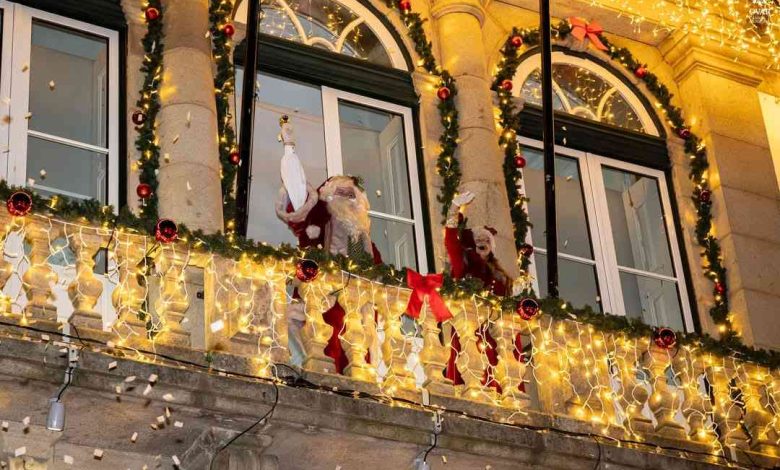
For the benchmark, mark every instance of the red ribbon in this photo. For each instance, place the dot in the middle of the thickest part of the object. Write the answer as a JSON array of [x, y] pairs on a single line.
[[425, 287], [581, 29]]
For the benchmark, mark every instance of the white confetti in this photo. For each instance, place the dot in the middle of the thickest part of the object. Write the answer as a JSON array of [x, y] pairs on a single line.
[[52, 85], [118, 389], [176, 139], [67, 459], [20, 451], [4, 425], [168, 397], [189, 186], [444, 459], [167, 412], [217, 326], [147, 390], [25, 67], [30, 182], [153, 378], [45, 337], [26, 421], [176, 460], [98, 454], [178, 424], [134, 437], [161, 419], [112, 365], [28, 116], [110, 344], [130, 378], [189, 119]]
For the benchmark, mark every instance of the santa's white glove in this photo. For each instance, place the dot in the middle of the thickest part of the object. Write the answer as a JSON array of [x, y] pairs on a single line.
[[458, 201]]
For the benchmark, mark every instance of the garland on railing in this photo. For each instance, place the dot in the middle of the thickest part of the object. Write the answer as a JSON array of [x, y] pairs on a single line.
[[221, 32], [145, 116], [694, 147], [91, 211], [447, 166]]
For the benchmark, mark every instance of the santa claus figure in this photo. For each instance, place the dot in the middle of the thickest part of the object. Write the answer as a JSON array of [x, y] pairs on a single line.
[[471, 251]]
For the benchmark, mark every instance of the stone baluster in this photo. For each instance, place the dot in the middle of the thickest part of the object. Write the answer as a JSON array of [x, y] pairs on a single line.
[[396, 347], [761, 410], [130, 294], [729, 398], [636, 386], [86, 288], [511, 366], [358, 335], [40, 277], [471, 361], [668, 394], [434, 356], [277, 320], [13, 264], [316, 332], [697, 407], [548, 359], [172, 301]]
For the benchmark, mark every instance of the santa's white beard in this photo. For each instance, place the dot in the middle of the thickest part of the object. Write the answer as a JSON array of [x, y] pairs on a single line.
[[352, 214]]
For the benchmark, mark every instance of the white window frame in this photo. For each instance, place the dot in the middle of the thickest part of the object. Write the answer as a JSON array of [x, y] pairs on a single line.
[[335, 163], [602, 242], [15, 84]]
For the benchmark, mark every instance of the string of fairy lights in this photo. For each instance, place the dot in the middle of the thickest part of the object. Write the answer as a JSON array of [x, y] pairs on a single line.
[[629, 389], [744, 27]]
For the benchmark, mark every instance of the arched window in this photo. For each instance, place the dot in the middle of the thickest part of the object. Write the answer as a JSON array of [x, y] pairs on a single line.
[[340, 75], [617, 230], [586, 89]]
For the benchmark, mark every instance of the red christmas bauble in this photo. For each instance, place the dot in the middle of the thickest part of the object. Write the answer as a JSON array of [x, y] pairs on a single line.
[[664, 338], [138, 117], [527, 308], [144, 190], [684, 132], [19, 204], [306, 270], [520, 161], [234, 157], [516, 41], [526, 250], [229, 30], [166, 231], [152, 14], [720, 289], [640, 71], [507, 85], [444, 93], [705, 195], [405, 5]]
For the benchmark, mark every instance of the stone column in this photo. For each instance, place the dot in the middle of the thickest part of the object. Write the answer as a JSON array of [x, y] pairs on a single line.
[[463, 54], [720, 99], [190, 185]]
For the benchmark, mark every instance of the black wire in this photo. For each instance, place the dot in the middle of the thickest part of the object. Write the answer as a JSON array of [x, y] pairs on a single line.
[[262, 418], [302, 383], [598, 461], [67, 383], [432, 446]]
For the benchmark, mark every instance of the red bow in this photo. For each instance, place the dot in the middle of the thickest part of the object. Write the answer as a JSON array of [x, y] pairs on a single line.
[[425, 287], [581, 29]]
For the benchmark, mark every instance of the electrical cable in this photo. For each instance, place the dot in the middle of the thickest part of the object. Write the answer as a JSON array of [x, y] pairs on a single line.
[[302, 383]]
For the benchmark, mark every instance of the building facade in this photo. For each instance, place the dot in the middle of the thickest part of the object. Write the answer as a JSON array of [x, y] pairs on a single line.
[[211, 351]]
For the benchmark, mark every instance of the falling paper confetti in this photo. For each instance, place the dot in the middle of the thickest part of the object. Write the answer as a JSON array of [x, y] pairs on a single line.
[[43, 174], [147, 390], [4, 425], [217, 326], [67, 459], [178, 424], [20, 451], [152, 378], [98, 454], [134, 437], [176, 460], [168, 397], [52, 86], [25, 67], [112, 365], [130, 378]]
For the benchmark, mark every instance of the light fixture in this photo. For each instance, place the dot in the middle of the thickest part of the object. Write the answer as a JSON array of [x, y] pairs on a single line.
[[55, 421], [421, 464]]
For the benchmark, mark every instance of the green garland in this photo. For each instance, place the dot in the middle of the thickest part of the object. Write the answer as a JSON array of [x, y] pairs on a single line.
[[220, 12], [713, 265], [149, 105], [447, 166]]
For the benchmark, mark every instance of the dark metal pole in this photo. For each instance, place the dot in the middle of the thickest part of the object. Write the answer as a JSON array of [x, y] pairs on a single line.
[[247, 119], [548, 138]]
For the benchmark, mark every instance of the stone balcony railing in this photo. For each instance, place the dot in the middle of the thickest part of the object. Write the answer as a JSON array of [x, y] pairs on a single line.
[[561, 373]]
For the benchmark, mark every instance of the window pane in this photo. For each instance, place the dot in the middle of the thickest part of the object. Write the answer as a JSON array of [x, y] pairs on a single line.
[[576, 281], [654, 301], [68, 170], [323, 23], [303, 103], [373, 147], [637, 219], [395, 241], [68, 84], [573, 233]]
